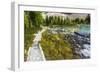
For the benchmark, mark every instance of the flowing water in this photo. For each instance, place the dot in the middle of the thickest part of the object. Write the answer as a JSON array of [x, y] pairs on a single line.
[[85, 29]]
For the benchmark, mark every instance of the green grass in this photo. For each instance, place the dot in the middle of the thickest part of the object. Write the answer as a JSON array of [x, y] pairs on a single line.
[[55, 47], [28, 40]]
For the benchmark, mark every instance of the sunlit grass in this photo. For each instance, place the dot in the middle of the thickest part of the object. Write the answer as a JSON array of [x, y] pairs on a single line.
[[55, 48]]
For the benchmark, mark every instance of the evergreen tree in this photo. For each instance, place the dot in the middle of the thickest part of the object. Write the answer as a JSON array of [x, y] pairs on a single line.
[[36, 18], [87, 20]]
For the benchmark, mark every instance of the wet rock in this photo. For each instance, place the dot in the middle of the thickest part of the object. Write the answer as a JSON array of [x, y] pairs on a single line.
[[80, 44]]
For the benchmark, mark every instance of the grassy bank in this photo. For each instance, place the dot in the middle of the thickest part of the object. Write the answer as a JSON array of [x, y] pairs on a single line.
[[55, 47], [28, 40]]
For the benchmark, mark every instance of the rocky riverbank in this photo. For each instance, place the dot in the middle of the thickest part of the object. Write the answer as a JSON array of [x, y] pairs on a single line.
[[80, 44]]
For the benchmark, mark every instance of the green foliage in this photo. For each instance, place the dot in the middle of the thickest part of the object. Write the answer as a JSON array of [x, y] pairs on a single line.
[[36, 18], [87, 20], [61, 21], [26, 20], [54, 47], [32, 23], [28, 40]]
